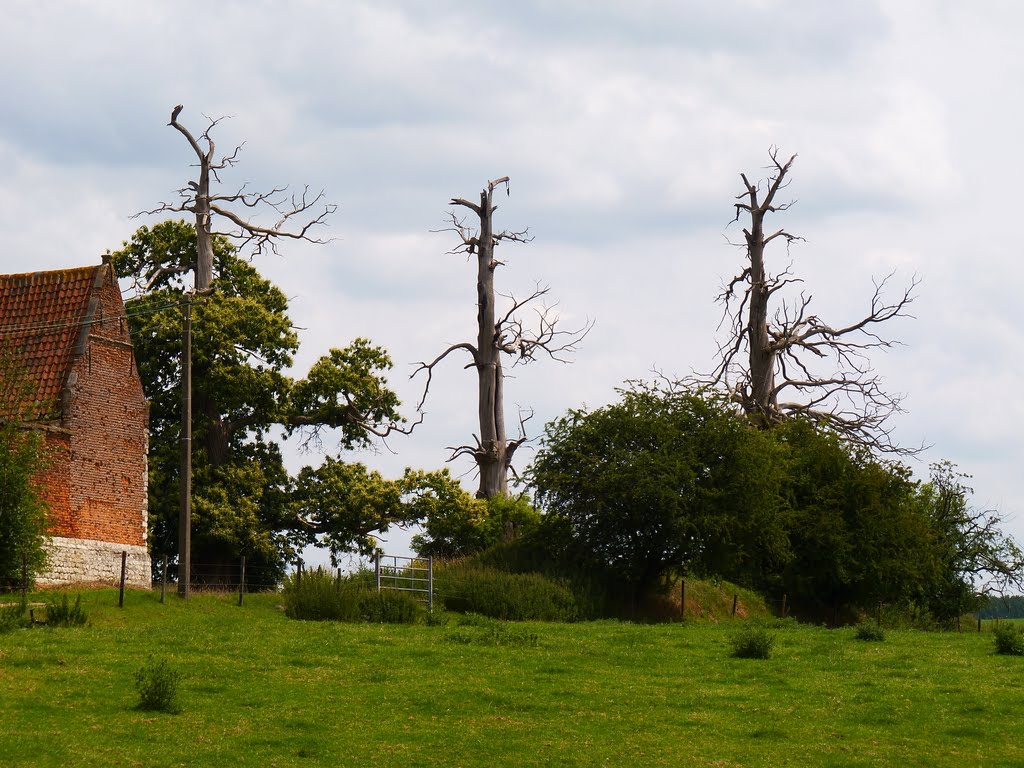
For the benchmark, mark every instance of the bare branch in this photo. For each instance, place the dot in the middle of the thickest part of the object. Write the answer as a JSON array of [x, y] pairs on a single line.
[[766, 352]]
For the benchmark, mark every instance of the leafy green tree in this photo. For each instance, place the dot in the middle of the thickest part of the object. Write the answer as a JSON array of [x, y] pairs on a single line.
[[856, 531], [345, 506], [243, 342], [458, 530], [22, 458], [975, 558], [665, 479]]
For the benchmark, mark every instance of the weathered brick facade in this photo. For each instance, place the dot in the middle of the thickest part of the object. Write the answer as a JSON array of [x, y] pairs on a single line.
[[79, 356]]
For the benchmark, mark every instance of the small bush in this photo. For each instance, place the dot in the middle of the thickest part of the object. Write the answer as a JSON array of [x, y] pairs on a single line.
[[12, 617], [869, 631], [508, 596], [319, 596], [157, 685], [752, 642], [61, 613], [389, 607], [1009, 640]]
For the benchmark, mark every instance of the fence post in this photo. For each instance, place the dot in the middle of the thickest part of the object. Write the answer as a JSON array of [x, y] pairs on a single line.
[[783, 605], [734, 599], [163, 579], [298, 575], [337, 581], [241, 583], [124, 569], [24, 577], [682, 598], [376, 569], [878, 618], [430, 585]]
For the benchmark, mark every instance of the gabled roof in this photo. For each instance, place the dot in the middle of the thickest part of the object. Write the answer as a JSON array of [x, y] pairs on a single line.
[[42, 319]]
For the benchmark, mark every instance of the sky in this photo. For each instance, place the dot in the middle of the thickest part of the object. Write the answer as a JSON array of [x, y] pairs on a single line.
[[623, 126]]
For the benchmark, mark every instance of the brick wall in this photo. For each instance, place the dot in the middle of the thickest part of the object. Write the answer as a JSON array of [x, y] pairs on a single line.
[[107, 416], [53, 482]]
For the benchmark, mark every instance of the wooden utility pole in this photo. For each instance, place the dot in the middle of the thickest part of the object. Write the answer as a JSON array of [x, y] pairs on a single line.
[[185, 513]]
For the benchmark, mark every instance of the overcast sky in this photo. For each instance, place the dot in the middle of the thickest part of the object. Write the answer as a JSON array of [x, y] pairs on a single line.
[[624, 127]]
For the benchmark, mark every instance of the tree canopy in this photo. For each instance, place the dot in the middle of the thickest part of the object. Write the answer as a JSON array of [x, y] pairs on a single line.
[[669, 481], [244, 402]]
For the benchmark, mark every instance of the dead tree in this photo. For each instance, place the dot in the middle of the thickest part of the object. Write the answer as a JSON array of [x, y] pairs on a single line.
[[497, 335], [209, 207], [780, 360]]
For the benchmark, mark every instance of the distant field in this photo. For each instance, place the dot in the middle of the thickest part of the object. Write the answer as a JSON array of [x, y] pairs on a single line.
[[262, 690]]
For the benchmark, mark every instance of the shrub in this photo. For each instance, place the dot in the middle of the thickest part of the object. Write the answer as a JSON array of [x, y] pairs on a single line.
[[1009, 640], [752, 642], [389, 607], [510, 596], [319, 596], [12, 617], [869, 631], [61, 613], [157, 685]]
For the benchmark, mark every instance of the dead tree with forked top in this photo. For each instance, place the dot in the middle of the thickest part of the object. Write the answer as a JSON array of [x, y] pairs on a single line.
[[498, 334], [234, 209], [781, 360]]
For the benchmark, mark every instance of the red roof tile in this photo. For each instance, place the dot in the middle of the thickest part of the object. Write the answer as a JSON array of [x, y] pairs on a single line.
[[41, 316]]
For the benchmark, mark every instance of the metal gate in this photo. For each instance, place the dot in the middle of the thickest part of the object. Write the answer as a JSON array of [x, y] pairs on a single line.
[[406, 574]]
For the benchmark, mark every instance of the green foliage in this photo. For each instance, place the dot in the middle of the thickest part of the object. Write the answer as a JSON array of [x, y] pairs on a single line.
[[464, 587], [869, 631], [318, 595], [751, 641], [22, 457], [474, 629], [13, 617], [972, 552], [664, 479], [857, 532], [343, 503], [468, 526], [390, 607], [62, 613], [1009, 639], [243, 343], [156, 682]]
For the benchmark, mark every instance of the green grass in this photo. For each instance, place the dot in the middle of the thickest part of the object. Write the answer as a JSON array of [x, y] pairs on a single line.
[[259, 689]]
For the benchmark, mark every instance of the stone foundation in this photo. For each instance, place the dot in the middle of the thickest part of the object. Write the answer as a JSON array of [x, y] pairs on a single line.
[[77, 561]]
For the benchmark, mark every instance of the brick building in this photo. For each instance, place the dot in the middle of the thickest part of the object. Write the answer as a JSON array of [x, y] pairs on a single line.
[[68, 329]]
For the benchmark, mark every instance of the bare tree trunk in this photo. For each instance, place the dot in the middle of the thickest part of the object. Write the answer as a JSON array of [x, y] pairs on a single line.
[[761, 353], [491, 455], [497, 335], [787, 345]]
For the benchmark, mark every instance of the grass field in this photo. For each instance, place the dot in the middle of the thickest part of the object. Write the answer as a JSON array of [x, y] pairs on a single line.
[[259, 689]]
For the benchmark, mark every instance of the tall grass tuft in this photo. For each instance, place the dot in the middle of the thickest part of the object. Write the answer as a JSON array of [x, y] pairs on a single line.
[[752, 642], [13, 617], [390, 607], [319, 596], [869, 631], [157, 685], [61, 613]]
